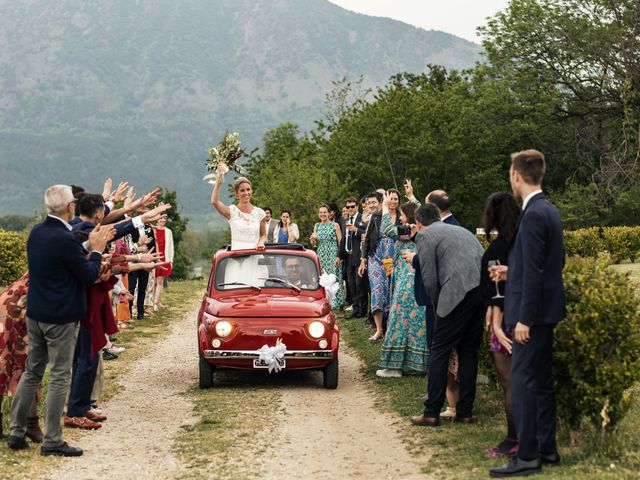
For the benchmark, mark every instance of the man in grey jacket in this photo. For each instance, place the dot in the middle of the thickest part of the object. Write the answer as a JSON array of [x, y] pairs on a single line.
[[450, 262]]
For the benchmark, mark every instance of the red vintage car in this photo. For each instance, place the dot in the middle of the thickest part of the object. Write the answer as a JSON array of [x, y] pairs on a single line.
[[263, 307]]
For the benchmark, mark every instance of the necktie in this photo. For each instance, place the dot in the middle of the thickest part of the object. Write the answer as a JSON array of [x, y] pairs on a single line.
[[348, 241]]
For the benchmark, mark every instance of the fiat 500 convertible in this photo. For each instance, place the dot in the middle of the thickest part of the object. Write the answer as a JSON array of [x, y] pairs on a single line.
[[267, 310]]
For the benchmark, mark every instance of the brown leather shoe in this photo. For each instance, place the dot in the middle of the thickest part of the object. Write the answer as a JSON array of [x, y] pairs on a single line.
[[465, 420], [81, 422], [423, 421], [95, 416]]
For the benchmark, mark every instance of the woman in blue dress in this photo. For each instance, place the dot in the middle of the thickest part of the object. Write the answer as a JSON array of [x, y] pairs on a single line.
[[405, 344]]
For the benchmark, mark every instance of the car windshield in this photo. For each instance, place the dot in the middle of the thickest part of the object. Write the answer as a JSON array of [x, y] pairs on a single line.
[[267, 270]]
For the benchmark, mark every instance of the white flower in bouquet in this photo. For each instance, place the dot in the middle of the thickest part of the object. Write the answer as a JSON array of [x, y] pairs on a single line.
[[225, 154]]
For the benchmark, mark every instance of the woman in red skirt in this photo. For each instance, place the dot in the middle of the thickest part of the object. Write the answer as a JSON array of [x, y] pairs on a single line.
[[164, 246]]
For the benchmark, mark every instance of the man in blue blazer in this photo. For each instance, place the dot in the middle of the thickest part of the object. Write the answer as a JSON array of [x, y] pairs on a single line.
[[534, 303], [59, 272]]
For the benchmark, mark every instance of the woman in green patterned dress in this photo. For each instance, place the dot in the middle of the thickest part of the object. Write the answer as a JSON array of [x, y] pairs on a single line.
[[327, 237], [405, 344]]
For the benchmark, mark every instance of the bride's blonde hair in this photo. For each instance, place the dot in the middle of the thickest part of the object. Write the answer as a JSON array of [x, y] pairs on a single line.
[[239, 181]]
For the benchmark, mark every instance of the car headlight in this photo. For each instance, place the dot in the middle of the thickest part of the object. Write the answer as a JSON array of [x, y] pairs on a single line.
[[223, 328], [316, 329]]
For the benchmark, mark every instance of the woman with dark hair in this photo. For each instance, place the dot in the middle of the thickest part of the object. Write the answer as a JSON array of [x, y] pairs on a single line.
[[500, 218], [285, 231], [405, 344]]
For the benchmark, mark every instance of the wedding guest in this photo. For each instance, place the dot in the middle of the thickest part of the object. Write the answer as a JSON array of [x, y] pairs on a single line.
[[351, 259], [327, 237], [439, 198], [450, 260], [164, 245], [286, 232], [500, 217], [377, 258], [59, 272], [13, 349], [405, 344], [143, 241], [272, 223], [534, 303]]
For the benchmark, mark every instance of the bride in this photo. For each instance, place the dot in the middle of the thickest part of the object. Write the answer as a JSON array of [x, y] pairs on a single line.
[[247, 223]]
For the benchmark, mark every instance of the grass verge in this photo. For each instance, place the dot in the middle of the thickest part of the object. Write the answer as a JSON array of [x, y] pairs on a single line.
[[180, 298], [457, 451]]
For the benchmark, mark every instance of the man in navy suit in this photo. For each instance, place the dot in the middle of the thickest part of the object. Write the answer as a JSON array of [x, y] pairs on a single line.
[[350, 253], [441, 200], [59, 272], [534, 304]]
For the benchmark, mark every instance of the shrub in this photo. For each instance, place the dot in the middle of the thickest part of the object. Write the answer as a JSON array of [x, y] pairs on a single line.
[[597, 347], [623, 243], [181, 264], [13, 256]]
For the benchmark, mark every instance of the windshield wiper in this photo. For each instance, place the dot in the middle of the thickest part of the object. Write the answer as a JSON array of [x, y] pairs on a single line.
[[283, 282], [238, 283]]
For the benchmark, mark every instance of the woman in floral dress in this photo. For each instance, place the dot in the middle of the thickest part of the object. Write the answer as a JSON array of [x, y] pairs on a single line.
[[405, 344], [327, 237]]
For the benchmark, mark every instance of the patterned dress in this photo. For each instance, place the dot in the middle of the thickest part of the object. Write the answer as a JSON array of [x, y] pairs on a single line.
[[13, 334], [405, 344], [380, 283], [327, 252]]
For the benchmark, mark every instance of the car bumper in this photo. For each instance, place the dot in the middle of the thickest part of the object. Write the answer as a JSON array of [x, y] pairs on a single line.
[[254, 354]]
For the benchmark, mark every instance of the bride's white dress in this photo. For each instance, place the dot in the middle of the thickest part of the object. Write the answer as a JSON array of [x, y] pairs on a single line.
[[245, 234]]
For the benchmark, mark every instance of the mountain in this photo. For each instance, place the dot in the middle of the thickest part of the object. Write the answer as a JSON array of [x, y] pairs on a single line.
[[140, 89]]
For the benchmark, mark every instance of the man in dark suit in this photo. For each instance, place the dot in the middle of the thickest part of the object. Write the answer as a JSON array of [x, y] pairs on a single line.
[[534, 303], [59, 272], [450, 261], [350, 253], [441, 200]]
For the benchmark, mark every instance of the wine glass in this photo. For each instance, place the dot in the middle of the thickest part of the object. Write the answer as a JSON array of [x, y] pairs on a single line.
[[495, 263]]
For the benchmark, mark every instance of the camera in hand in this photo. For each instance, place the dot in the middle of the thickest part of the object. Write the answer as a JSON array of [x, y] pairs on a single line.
[[404, 230]]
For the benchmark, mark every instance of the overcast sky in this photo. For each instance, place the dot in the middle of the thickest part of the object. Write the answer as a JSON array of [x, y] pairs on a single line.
[[460, 17]]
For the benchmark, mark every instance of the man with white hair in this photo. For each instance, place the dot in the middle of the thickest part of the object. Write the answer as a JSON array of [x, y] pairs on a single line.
[[59, 272]]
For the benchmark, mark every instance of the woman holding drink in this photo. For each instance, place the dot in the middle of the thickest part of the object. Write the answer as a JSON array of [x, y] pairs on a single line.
[[405, 344]]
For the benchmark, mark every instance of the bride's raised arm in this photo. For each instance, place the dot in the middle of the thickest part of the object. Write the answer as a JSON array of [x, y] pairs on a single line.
[[215, 196]]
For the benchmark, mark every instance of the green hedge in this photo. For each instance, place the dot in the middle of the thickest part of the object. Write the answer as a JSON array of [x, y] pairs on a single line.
[[13, 256], [597, 346]]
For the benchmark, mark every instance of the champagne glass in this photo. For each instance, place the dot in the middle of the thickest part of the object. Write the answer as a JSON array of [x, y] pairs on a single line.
[[495, 263]]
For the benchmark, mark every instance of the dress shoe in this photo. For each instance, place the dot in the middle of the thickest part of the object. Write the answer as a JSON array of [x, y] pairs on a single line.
[[95, 416], [81, 422], [63, 450], [16, 443], [517, 468], [550, 458], [34, 433], [465, 420], [422, 421]]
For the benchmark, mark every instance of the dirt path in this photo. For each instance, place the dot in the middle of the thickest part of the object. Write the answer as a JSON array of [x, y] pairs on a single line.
[[331, 434], [135, 443]]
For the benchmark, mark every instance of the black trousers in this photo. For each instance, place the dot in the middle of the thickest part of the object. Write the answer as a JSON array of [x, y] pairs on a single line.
[[461, 329], [359, 291], [141, 279], [534, 403]]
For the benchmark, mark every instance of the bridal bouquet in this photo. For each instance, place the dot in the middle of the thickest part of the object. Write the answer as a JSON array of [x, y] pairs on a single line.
[[226, 153]]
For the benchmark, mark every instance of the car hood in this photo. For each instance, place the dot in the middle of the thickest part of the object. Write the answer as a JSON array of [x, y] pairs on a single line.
[[267, 305]]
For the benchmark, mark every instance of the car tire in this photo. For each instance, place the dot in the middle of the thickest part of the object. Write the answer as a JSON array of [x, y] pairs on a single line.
[[206, 373], [330, 375]]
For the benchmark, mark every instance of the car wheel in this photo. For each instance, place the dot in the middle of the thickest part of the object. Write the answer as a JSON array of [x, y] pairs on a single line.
[[206, 373], [330, 375]]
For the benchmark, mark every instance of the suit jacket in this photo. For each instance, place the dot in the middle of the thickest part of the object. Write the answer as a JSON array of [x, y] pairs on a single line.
[[451, 220], [422, 298], [59, 274], [450, 262], [352, 258], [534, 294], [271, 226]]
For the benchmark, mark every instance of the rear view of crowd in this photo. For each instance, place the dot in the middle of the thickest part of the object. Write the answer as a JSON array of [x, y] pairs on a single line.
[[86, 261]]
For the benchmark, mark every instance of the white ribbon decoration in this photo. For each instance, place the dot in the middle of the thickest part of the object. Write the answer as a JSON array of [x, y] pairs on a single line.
[[330, 284], [271, 355]]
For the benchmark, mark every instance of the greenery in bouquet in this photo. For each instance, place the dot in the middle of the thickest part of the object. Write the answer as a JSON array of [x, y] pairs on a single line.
[[227, 152]]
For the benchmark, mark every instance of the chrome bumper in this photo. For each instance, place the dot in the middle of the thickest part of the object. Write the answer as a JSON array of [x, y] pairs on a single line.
[[252, 354]]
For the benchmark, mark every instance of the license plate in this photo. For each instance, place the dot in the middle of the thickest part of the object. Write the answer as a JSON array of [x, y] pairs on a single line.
[[257, 363]]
